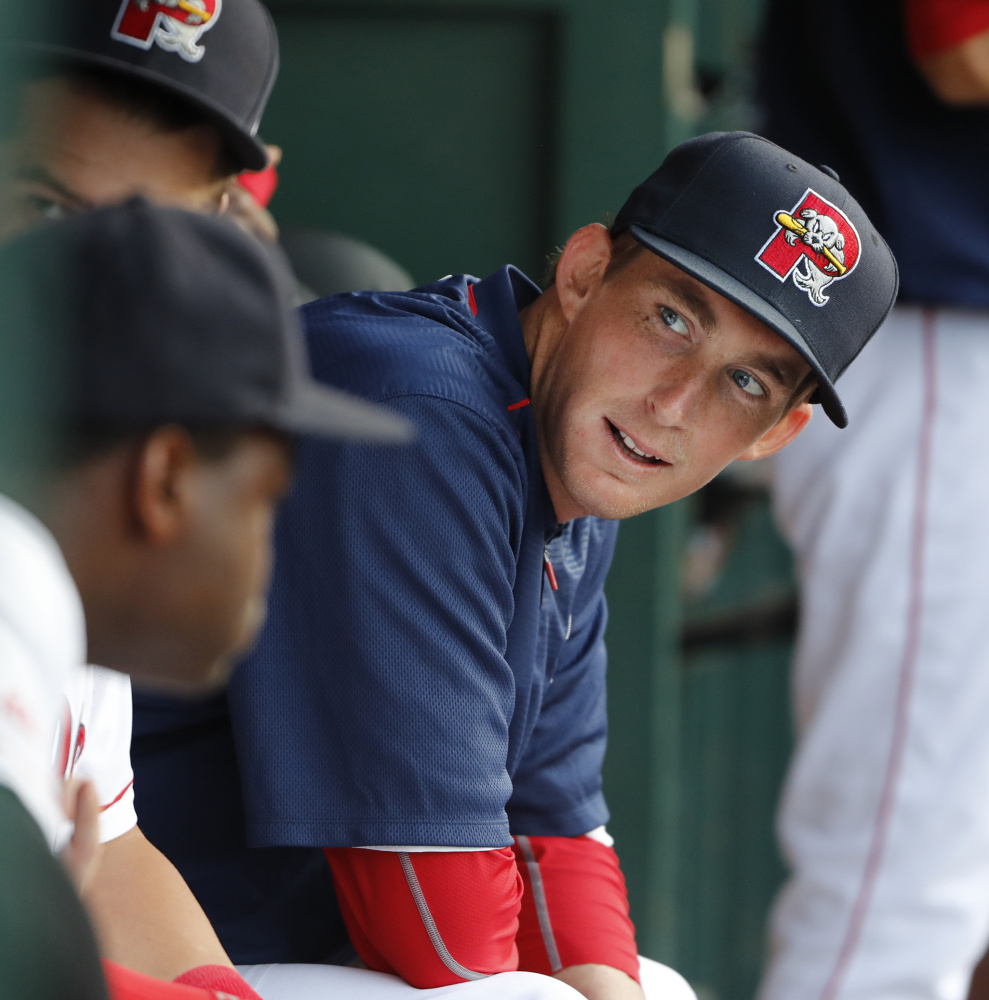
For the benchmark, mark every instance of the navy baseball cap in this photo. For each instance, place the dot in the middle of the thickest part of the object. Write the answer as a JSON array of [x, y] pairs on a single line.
[[778, 237], [166, 316], [220, 56]]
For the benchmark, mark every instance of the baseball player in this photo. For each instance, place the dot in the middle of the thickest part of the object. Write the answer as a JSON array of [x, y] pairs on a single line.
[[114, 107], [423, 718], [187, 377], [884, 818], [46, 944], [122, 99]]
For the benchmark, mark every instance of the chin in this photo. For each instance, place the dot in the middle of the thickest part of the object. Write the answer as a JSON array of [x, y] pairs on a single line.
[[606, 502], [194, 678]]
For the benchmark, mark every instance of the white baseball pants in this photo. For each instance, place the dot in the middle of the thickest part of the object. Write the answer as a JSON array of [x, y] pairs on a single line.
[[885, 812], [335, 982]]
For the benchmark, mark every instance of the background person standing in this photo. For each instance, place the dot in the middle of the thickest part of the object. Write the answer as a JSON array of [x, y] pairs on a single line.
[[884, 817]]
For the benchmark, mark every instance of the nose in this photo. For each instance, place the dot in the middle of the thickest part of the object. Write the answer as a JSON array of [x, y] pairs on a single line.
[[674, 401]]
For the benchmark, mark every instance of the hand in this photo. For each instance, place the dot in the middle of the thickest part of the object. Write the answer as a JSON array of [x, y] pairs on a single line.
[[82, 806], [601, 982], [238, 204]]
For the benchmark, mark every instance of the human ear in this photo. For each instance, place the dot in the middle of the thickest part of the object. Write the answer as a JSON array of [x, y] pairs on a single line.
[[581, 266], [163, 485], [780, 434]]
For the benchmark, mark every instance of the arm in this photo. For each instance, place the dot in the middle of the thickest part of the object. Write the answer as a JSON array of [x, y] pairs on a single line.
[[574, 922], [145, 915], [949, 42], [441, 918], [433, 918]]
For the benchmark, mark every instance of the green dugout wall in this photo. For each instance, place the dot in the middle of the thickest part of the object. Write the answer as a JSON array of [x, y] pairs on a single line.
[[461, 135]]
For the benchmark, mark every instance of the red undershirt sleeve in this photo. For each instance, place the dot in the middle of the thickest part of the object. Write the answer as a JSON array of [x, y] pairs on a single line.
[[433, 918], [575, 906], [936, 25], [208, 982]]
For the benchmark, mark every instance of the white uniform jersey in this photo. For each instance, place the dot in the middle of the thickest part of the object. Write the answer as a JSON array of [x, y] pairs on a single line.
[[92, 743], [54, 710], [42, 643]]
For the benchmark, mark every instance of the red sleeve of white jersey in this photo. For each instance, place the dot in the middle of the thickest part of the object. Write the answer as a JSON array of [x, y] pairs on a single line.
[[936, 25], [575, 907], [432, 918], [208, 982]]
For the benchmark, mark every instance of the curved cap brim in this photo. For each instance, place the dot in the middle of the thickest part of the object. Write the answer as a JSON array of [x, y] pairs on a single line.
[[320, 410], [733, 290]]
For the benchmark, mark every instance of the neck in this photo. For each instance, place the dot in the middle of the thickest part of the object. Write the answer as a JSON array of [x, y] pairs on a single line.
[[543, 326]]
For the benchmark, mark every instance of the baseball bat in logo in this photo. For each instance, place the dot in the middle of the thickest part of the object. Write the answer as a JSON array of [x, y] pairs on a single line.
[[815, 242], [176, 25]]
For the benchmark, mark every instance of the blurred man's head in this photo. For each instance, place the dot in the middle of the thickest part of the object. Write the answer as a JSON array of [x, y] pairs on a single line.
[[184, 383], [698, 330], [129, 98]]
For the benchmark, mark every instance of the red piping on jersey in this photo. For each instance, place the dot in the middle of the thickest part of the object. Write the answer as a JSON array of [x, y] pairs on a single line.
[[118, 797], [519, 404], [471, 301]]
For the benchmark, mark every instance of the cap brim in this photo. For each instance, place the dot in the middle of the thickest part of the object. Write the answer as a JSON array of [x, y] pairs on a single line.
[[248, 151], [733, 290], [320, 410]]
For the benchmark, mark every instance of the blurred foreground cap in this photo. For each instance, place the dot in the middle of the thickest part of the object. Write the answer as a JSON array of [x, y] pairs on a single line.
[[170, 316], [778, 237], [218, 55]]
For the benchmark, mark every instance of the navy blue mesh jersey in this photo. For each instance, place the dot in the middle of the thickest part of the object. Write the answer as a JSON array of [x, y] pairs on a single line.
[[839, 87], [418, 681]]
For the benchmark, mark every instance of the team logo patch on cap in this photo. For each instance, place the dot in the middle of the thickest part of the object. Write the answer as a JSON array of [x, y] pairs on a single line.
[[815, 242], [175, 25]]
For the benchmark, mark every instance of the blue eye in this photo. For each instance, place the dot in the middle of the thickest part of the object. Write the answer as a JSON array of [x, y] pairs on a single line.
[[674, 321], [747, 383]]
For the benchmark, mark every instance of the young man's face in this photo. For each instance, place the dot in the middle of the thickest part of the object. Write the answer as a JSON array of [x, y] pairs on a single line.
[[652, 361], [77, 151]]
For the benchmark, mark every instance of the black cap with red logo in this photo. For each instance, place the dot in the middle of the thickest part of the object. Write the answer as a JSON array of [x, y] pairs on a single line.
[[221, 56], [778, 237], [145, 315]]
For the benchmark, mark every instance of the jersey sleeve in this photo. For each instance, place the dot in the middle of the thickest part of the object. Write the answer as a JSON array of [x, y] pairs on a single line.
[[105, 757], [937, 25], [375, 708], [557, 784]]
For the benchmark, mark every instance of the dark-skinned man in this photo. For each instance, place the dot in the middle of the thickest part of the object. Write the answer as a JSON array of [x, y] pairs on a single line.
[[183, 382], [122, 99]]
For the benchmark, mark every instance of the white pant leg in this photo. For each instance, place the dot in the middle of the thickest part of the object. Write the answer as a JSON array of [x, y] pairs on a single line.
[[885, 812], [334, 982], [660, 982]]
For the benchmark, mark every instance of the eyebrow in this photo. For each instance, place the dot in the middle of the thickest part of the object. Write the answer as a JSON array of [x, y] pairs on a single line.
[[39, 175], [693, 300]]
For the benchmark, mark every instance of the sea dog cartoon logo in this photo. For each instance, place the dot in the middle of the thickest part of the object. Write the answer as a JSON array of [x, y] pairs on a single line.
[[815, 242], [175, 25]]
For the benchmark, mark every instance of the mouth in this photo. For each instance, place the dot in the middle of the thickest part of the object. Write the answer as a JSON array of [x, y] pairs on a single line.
[[631, 450]]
